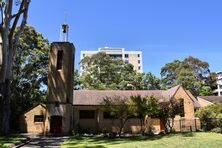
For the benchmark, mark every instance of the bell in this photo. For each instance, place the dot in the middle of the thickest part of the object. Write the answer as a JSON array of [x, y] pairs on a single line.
[[64, 28]]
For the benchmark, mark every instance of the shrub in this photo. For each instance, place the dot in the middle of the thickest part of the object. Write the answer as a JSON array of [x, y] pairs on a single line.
[[216, 130], [210, 116]]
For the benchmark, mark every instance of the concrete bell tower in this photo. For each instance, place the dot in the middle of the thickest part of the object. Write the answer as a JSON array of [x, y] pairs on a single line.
[[59, 118]]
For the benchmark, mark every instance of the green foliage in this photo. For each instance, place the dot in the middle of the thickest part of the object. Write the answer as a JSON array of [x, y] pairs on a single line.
[[216, 130], [168, 111], [100, 72], [205, 91], [119, 108], [76, 81], [150, 82], [10, 140], [139, 106], [144, 106], [103, 72], [169, 73], [152, 106], [210, 116], [29, 73], [191, 73]]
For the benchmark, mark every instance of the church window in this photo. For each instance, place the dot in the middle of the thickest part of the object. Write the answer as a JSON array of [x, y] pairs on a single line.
[[87, 114], [38, 118], [59, 60]]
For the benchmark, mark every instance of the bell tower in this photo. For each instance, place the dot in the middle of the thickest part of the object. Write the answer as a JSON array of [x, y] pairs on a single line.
[[60, 88]]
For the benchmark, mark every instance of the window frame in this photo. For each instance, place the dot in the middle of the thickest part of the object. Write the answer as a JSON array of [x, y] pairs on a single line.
[[87, 113], [38, 118]]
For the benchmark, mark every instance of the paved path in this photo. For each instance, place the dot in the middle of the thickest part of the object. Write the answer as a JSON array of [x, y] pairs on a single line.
[[44, 142]]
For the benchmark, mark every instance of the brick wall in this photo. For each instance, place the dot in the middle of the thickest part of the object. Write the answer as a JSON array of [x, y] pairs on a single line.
[[27, 123]]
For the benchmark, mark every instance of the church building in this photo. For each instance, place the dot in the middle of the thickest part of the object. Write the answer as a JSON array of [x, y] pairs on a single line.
[[68, 110]]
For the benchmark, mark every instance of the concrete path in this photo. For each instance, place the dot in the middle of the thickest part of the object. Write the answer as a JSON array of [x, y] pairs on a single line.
[[44, 142]]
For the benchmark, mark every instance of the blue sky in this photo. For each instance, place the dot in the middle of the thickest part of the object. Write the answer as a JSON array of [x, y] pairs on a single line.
[[164, 30]]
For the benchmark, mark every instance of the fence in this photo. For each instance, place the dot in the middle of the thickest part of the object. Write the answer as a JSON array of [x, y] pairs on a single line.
[[185, 125]]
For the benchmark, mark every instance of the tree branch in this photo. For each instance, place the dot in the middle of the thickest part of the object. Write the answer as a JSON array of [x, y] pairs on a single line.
[[18, 14], [23, 23], [7, 12], [5, 28]]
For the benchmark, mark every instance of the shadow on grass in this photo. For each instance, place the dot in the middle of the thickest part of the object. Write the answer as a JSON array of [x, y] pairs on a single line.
[[102, 142], [187, 134], [8, 140]]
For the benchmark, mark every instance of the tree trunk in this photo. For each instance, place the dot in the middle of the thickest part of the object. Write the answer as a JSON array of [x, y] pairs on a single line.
[[5, 107], [121, 127], [141, 126], [9, 41], [171, 127], [1, 54]]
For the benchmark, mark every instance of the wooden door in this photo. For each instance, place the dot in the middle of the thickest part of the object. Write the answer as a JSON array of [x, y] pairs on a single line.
[[56, 125], [162, 127]]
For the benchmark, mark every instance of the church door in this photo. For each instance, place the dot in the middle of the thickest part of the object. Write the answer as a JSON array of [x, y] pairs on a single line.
[[56, 124], [162, 127]]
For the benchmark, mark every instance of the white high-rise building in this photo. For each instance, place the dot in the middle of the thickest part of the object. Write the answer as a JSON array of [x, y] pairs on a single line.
[[132, 57], [218, 91]]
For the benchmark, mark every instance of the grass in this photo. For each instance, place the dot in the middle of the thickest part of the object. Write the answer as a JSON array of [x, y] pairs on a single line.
[[9, 140], [181, 140]]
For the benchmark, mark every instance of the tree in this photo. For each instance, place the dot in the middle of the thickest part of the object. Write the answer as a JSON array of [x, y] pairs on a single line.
[[211, 80], [168, 111], [100, 71], [129, 78], [7, 51], [103, 72], [169, 73], [139, 107], [76, 81], [205, 91], [150, 82], [30, 71], [119, 108], [191, 73], [207, 116], [144, 106]]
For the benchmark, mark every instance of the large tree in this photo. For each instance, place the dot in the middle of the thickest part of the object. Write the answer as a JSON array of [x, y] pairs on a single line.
[[191, 73], [30, 70], [10, 39], [100, 71]]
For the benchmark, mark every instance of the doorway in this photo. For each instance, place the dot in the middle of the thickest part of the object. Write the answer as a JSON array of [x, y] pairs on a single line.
[[162, 127], [56, 125]]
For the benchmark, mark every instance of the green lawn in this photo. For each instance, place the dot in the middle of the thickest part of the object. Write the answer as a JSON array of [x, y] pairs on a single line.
[[9, 140], [180, 140]]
